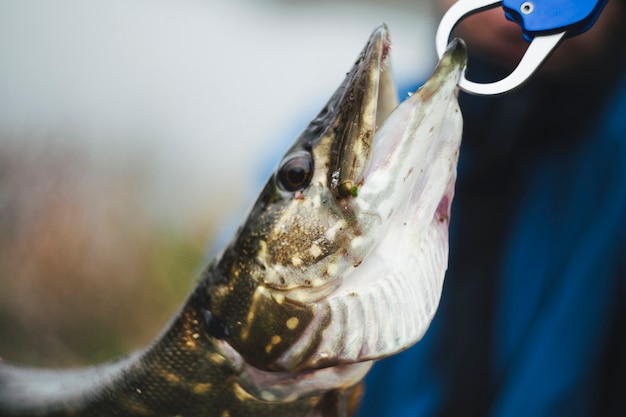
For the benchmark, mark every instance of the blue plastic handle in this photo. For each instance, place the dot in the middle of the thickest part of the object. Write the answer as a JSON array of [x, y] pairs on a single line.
[[541, 17]]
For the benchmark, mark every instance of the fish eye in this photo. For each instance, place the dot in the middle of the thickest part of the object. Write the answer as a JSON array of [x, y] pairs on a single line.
[[295, 173]]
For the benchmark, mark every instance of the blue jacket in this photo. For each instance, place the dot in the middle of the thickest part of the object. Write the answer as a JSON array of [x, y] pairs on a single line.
[[532, 320]]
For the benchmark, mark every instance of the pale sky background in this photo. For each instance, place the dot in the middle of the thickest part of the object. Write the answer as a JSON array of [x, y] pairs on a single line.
[[205, 95]]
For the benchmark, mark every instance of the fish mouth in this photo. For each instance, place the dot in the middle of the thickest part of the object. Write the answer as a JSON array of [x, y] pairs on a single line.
[[393, 170]]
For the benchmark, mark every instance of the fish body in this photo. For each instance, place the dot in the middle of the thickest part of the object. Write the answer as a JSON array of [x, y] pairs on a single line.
[[339, 263]]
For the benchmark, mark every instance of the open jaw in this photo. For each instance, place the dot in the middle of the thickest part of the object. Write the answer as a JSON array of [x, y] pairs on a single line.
[[401, 192], [380, 193]]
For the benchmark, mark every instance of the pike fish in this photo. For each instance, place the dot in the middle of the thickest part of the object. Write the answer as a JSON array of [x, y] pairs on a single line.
[[339, 263]]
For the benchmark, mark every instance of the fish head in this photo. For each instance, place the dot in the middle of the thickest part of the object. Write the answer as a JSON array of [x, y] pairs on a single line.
[[342, 258], [305, 211]]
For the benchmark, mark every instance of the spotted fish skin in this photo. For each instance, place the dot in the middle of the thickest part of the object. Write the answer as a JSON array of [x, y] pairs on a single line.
[[261, 335], [182, 374]]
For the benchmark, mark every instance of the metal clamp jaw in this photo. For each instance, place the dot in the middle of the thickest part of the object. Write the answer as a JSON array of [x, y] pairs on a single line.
[[544, 24]]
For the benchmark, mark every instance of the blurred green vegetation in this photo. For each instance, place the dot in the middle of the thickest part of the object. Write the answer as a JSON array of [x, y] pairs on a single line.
[[87, 272]]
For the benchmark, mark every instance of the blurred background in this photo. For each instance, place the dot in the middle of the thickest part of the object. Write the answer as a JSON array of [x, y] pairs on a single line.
[[133, 138]]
